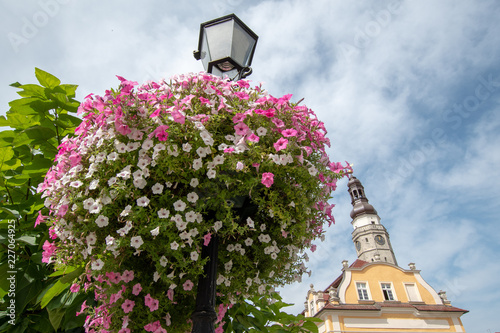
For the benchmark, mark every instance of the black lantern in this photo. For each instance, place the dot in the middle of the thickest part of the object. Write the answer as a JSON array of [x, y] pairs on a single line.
[[226, 47]]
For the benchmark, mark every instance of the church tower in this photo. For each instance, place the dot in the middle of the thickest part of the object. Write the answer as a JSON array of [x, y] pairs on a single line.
[[370, 238], [374, 294]]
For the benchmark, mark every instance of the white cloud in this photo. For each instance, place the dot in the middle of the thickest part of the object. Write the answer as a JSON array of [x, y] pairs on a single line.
[[383, 76]]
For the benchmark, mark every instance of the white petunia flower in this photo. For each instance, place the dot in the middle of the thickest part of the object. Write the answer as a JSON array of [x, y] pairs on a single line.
[[261, 131], [142, 202], [219, 159], [113, 156], [248, 242], [97, 265], [201, 152], [211, 173], [163, 213], [194, 255], [192, 197], [147, 144], [156, 276], [112, 181], [136, 241], [91, 238], [197, 164], [157, 188], [163, 261], [187, 147], [262, 227], [155, 231], [264, 238], [217, 225], [174, 246], [93, 184], [120, 147], [126, 211], [228, 265], [250, 222], [179, 205], [76, 184], [88, 203], [102, 221], [312, 171], [140, 183], [194, 182], [191, 216]]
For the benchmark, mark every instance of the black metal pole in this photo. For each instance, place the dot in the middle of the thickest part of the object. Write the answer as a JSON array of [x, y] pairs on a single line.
[[204, 315]]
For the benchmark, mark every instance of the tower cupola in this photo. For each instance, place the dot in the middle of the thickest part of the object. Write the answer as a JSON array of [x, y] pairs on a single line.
[[359, 201], [369, 236]]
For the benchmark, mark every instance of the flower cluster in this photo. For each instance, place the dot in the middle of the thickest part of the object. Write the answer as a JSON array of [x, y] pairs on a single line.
[[156, 171]]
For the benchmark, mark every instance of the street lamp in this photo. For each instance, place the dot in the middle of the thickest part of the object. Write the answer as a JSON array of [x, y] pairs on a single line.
[[226, 47]]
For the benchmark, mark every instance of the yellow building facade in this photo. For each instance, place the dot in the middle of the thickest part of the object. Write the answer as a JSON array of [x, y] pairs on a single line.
[[374, 294]]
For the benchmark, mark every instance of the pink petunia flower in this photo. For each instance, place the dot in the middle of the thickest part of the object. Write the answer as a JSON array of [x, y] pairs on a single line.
[[151, 302], [128, 306], [136, 289], [267, 179], [206, 239], [289, 132], [253, 138], [74, 288], [241, 129], [127, 276], [188, 285], [281, 144]]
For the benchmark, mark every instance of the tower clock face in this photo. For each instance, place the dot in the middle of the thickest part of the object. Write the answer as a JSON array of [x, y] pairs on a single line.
[[358, 245], [380, 240]]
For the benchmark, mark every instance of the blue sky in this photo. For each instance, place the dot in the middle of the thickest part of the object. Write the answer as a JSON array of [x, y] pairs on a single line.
[[409, 92]]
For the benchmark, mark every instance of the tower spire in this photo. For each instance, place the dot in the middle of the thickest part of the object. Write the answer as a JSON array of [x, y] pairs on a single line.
[[369, 236]]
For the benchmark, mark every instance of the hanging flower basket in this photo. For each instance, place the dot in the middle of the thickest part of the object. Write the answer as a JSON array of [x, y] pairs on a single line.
[[155, 171]]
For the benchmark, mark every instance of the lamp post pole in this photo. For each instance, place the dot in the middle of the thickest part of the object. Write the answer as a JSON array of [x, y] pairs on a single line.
[[204, 314], [226, 47]]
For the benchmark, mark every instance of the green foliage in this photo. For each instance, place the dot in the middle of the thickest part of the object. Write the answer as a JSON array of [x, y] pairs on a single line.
[[260, 315], [38, 121]]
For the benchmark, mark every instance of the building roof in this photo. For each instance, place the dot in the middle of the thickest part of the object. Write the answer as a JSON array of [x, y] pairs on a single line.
[[358, 263], [377, 306]]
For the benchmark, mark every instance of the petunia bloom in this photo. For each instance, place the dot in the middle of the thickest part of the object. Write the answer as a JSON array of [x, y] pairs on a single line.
[[267, 179]]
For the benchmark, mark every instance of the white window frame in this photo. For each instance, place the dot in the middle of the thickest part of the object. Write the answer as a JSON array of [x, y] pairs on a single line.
[[419, 298], [311, 308], [391, 289], [367, 289]]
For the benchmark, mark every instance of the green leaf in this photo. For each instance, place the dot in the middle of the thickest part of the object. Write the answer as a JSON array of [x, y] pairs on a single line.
[[69, 89], [40, 133], [39, 165], [19, 121], [68, 278], [310, 326], [52, 292], [46, 79], [55, 317], [15, 84], [6, 154], [41, 323], [28, 240], [26, 294], [32, 90]]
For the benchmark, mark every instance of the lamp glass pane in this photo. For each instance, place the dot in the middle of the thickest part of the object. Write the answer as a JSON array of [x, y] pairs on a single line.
[[219, 38], [242, 47]]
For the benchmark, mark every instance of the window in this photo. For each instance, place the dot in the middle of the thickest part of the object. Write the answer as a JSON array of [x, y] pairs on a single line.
[[311, 308], [362, 291], [387, 291], [412, 292]]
